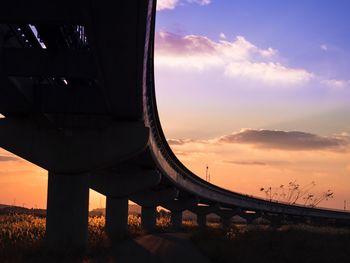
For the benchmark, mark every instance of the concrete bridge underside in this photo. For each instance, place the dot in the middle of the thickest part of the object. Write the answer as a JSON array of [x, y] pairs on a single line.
[[79, 101]]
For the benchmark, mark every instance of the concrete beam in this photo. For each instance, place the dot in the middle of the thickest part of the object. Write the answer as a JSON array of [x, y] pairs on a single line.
[[116, 217], [41, 11], [226, 222], [73, 150], [148, 217], [155, 198], [204, 210], [297, 219], [228, 213], [275, 220], [250, 217], [180, 204], [176, 219], [79, 99], [12, 98], [176, 207], [44, 62], [132, 20], [226, 216], [144, 159], [119, 185], [67, 212], [201, 220]]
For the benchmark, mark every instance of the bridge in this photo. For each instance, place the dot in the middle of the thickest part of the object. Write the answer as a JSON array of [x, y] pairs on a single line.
[[78, 99]]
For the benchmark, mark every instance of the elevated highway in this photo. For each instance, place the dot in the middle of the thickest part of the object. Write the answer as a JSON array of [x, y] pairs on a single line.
[[78, 95]]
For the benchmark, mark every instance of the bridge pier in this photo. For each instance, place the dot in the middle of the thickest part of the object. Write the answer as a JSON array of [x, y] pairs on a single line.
[[226, 222], [177, 206], [226, 215], [67, 211], [176, 219], [202, 212], [202, 220], [116, 217], [148, 217], [250, 217], [275, 220], [149, 200]]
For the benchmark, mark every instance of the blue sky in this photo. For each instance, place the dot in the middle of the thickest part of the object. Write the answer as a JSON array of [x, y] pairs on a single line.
[[309, 35], [296, 28]]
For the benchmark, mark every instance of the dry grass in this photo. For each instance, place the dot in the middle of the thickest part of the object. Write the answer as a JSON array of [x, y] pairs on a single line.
[[22, 239], [301, 243], [20, 233]]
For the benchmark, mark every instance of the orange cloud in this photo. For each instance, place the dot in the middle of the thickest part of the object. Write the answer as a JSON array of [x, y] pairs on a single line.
[[276, 139], [5, 158], [285, 140]]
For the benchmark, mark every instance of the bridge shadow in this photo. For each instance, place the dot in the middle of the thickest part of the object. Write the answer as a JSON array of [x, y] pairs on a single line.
[[157, 248]]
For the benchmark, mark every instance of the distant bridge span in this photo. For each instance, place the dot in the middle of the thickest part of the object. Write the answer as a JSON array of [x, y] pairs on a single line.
[[78, 95]]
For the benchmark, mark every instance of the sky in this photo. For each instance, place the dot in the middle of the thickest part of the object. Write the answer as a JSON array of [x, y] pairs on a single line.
[[256, 90], [259, 91]]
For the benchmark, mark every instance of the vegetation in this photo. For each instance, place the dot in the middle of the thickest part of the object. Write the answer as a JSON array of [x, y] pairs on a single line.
[[22, 240], [20, 233], [300, 243], [295, 193]]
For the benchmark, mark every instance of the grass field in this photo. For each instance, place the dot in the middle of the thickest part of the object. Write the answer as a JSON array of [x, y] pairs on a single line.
[[287, 244], [22, 240]]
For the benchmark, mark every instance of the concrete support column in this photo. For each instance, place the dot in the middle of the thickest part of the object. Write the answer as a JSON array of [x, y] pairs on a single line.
[[201, 220], [1, 41], [250, 221], [176, 219], [148, 217], [67, 211], [226, 222], [116, 217]]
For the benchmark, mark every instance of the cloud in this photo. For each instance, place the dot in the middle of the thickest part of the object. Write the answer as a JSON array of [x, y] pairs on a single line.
[[166, 4], [172, 4], [4, 158], [285, 140], [247, 163], [179, 153], [324, 47], [336, 83], [222, 35], [258, 163], [185, 47], [276, 139], [200, 2], [179, 141], [269, 73], [176, 142], [237, 59]]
